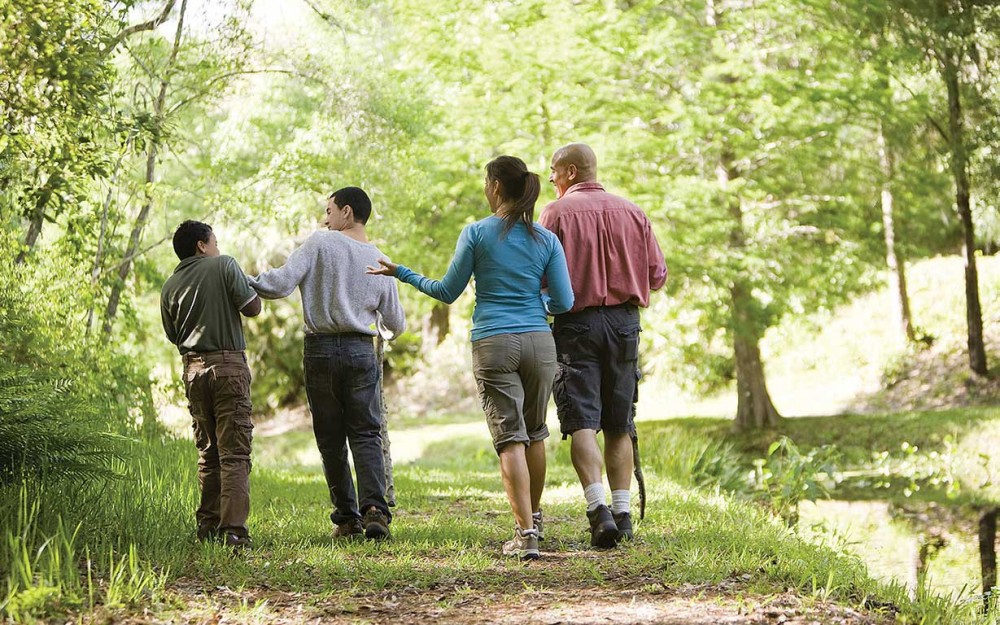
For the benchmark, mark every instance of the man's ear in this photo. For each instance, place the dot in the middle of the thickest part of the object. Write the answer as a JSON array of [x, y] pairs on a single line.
[[571, 171], [350, 211], [202, 246]]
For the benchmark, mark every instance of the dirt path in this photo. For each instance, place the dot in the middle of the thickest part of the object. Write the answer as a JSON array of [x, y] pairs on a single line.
[[627, 602]]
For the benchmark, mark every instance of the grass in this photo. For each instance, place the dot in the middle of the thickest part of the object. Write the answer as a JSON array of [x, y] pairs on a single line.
[[852, 358], [448, 527], [947, 455]]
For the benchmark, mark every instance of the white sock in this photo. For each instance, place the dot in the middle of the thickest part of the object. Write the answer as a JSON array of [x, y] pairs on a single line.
[[595, 496], [621, 501]]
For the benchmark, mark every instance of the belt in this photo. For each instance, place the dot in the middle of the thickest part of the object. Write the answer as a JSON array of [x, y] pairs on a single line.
[[223, 355], [340, 335]]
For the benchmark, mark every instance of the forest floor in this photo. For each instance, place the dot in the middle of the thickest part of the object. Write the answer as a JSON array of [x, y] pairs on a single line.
[[620, 603], [696, 560]]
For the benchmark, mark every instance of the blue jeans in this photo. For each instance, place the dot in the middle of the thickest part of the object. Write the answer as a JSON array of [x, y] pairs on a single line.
[[342, 381]]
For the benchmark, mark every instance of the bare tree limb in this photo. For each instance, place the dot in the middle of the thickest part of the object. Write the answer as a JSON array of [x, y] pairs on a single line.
[[206, 86], [329, 19], [144, 26]]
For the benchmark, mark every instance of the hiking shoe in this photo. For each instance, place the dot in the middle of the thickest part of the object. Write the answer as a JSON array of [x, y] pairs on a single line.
[[524, 545], [349, 529], [603, 530], [236, 542], [624, 522], [207, 534], [375, 524], [536, 518]]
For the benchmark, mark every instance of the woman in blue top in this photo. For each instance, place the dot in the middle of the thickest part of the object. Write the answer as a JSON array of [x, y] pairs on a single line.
[[513, 354]]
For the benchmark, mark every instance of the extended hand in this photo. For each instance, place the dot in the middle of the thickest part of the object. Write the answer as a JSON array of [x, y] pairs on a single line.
[[385, 269]]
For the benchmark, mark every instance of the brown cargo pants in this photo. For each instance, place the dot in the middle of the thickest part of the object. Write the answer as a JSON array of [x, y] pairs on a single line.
[[217, 385]]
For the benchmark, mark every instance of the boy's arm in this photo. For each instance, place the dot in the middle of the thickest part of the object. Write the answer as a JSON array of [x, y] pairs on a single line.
[[281, 281], [391, 320], [168, 321], [252, 309], [242, 295]]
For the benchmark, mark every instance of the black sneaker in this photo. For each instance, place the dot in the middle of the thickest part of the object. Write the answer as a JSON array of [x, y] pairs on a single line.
[[208, 534], [603, 530], [624, 522], [349, 529], [236, 542], [376, 524]]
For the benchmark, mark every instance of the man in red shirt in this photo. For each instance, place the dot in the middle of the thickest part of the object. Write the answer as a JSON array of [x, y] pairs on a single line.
[[614, 262]]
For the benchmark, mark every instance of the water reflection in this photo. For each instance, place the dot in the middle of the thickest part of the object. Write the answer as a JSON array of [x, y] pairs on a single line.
[[903, 542]]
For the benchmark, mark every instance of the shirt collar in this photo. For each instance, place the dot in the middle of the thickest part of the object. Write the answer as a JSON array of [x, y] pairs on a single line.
[[590, 185], [190, 260]]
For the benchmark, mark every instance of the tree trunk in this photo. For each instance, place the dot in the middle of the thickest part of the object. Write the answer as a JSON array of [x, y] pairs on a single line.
[[437, 325], [960, 171], [754, 409], [897, 266], [133, 245], [151, 153], [988, 553], [42, 199], [95, 271]]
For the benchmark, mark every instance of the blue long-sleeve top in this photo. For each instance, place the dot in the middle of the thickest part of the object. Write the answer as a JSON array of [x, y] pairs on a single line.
[[509, 271]]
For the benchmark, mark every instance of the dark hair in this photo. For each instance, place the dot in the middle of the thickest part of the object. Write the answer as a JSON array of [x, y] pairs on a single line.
[[357, 199], [518, 186], [187, 235]]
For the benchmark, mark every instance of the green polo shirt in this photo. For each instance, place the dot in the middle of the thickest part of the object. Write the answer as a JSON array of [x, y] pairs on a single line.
[[200, 304]]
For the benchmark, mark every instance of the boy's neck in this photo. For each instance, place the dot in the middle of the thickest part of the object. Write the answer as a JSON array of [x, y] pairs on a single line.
[[355, 231]]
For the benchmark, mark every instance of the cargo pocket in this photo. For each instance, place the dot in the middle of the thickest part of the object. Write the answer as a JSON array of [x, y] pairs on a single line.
[[628, 344]]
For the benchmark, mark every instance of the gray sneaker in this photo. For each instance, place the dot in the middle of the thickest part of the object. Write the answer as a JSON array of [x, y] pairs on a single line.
[[536, 518], [524, 545]]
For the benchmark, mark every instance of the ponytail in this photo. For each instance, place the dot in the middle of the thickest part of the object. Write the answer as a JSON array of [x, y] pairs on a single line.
[[519, 188]]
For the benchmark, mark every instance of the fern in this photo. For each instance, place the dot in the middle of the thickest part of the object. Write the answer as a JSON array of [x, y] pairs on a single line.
[[48, 429]]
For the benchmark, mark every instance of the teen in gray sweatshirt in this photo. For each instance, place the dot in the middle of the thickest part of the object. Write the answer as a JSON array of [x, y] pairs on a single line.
[[344, 308]]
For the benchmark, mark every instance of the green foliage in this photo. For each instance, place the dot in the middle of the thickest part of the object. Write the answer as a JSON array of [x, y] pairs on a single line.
[[48, 431], [53, 75], [787, 476], [71, 545]]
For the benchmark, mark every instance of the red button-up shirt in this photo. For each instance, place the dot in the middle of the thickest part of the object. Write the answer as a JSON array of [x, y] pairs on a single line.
[[611, 251]]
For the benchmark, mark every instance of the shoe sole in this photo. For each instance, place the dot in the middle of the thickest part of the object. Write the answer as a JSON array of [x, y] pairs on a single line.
[[524, 554]]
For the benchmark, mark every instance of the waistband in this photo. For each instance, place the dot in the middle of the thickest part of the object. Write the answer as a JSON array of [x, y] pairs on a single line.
[[626, 306], [216, 357], [338, 336]]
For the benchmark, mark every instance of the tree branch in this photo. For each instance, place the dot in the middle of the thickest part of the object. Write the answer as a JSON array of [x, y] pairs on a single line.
[[329, 19], [144, 26], [182, 103], [933, 122]]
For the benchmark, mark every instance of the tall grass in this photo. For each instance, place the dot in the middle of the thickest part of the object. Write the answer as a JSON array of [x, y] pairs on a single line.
[[102, 540]]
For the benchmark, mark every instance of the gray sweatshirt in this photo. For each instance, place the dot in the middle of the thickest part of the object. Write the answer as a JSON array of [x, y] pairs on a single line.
[[337, 295]]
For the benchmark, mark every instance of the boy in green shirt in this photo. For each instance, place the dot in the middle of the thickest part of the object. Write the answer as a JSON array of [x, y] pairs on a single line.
[[200, 305]]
